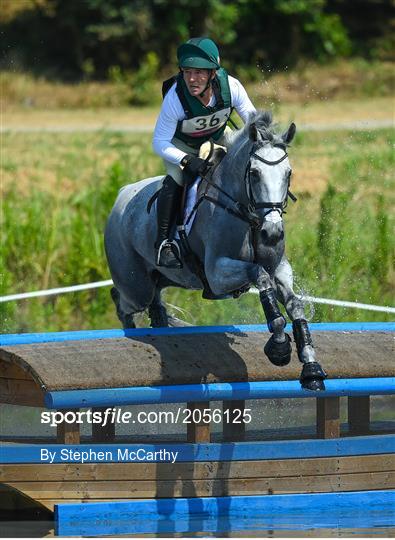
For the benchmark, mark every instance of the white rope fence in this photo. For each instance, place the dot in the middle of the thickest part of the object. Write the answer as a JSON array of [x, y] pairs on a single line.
[[108, 282], [59, 290]]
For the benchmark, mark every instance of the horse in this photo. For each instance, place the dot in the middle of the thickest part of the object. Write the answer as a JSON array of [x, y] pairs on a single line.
[[237, 234]]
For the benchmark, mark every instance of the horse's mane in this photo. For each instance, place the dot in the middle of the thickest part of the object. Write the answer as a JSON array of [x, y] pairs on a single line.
[[239, 143], [263, 120]]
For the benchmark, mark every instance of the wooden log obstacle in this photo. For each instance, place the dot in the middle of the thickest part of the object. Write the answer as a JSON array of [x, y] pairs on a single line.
[[208, 483]]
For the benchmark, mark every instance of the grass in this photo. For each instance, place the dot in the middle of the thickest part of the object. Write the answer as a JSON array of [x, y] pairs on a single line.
[[308, 82], [59, 188], [323, 112]]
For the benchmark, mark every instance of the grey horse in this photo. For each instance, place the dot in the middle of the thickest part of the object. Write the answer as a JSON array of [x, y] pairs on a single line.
[[238, 235]]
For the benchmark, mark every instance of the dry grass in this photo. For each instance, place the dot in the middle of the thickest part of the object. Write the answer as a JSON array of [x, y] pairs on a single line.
[[101, 118], [21, 90], [324, 112], [310, 176], [344, 79], [340, 80], [334, 112]]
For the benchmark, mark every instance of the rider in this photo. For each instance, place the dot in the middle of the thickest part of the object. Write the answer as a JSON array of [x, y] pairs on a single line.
[[196, 108]]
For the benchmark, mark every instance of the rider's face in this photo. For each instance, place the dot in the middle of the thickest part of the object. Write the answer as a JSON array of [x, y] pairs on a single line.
[[196, 79]]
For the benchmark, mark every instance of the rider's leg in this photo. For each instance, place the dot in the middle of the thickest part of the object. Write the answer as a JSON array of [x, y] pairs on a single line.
[[168, 200], [167, 253]]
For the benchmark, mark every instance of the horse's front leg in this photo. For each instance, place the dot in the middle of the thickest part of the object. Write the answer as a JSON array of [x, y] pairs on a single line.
[[278, 349], [312, 376], [226, 275]]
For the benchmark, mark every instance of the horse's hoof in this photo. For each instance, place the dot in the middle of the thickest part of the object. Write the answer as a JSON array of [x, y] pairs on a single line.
[[315, 385], [279, 354], [312, 377], [128, 321], [158, 316]]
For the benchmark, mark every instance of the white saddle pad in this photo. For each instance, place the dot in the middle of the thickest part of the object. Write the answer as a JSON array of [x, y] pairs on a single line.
[[192, 192]]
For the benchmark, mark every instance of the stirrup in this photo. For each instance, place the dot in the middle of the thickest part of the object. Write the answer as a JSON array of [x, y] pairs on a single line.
[[173, 246]]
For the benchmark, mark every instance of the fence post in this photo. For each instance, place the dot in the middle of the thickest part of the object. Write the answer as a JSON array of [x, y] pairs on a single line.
[[359, 415], [233, 423], [102, 433], [328, 418], [198, 431], [68, 433]]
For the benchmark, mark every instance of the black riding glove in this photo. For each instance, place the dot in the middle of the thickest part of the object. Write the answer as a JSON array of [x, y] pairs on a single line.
[[194, 166]]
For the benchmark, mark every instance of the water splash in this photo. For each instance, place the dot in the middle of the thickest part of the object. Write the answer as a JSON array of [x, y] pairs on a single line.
[[304, 294]]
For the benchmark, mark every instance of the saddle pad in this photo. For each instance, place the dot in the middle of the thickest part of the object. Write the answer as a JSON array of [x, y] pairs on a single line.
[[191, 197], [190, 201]]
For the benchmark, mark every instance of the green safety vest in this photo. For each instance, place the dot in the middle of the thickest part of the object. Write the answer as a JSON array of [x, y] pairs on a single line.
[[202, 123]]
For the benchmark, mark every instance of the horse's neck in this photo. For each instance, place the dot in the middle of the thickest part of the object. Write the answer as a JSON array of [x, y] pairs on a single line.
[[232, 180]]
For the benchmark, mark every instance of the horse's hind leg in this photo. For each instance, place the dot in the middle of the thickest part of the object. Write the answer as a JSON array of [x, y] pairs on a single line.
[[126, 319], [157, 311], [312, 376], [134, 286]]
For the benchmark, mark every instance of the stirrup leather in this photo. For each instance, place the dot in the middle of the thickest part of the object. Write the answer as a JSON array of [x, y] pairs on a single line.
[[171, 244]]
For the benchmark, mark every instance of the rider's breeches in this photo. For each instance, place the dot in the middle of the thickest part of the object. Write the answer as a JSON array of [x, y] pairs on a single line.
[[174, 170]]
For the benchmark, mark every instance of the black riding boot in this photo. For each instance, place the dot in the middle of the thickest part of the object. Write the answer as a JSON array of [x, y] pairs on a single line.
[[167, 252]]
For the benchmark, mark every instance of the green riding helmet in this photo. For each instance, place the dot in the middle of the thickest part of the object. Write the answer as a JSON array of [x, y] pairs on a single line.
[[199, 53]]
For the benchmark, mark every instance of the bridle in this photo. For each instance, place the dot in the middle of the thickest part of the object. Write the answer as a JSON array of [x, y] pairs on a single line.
[[246, 212], [252, 204]]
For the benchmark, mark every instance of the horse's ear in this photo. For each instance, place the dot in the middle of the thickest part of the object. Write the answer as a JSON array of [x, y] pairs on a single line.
[[289, 134], [253, 132]]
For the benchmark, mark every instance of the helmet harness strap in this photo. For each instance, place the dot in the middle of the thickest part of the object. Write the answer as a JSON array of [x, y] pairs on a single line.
[[208, 84]]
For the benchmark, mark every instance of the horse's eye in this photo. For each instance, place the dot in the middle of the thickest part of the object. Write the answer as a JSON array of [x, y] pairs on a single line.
[[254, 174]]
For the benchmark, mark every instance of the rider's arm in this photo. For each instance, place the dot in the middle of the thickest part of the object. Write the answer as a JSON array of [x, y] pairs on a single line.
[[240, 100], [171, 112]]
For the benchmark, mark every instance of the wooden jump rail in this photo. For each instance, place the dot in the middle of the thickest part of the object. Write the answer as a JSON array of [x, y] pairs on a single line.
[[100, 369]]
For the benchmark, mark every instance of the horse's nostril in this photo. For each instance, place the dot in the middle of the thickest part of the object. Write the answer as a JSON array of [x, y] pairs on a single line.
[[271, 233]]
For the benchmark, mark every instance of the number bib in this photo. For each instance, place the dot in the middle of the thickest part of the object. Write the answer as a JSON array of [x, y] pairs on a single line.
[[199, 126]]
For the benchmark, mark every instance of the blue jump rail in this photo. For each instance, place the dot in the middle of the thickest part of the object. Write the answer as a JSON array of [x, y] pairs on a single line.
[[352, 510], [108, 397], [48, 337]]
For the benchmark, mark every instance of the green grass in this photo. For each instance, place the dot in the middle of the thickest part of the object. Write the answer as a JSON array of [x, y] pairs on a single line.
[[59, 189]]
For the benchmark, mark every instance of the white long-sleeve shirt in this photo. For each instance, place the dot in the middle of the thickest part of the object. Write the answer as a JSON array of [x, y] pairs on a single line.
[[172, 112]]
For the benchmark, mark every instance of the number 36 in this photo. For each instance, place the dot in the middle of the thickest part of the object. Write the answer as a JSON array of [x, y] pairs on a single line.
[[203, 122]]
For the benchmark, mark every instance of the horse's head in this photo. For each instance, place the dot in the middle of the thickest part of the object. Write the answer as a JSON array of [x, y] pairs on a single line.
[[267, 176]]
